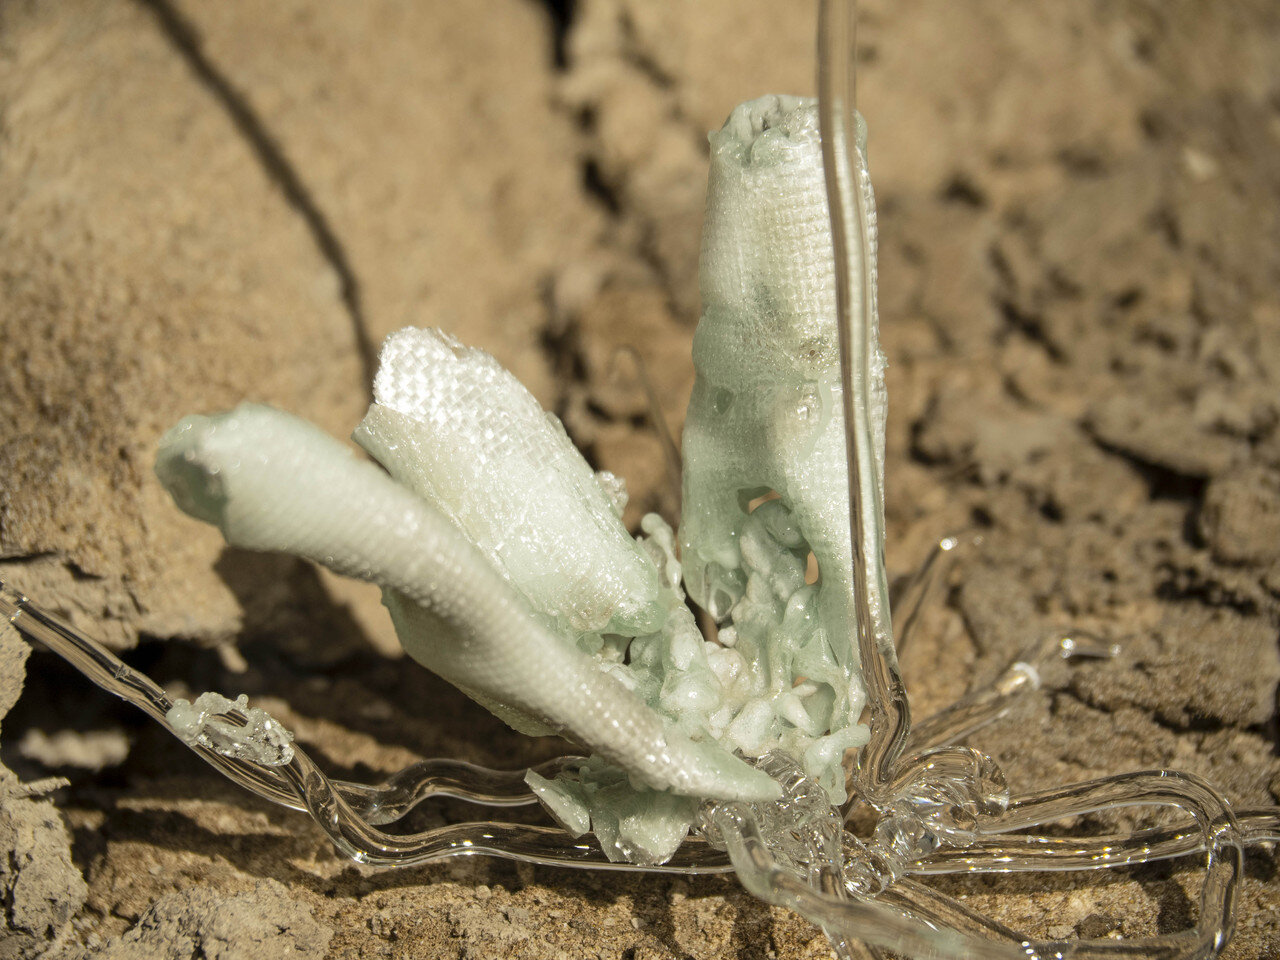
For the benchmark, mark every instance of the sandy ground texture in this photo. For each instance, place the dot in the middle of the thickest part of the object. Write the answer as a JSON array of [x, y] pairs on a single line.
[[207, 202]]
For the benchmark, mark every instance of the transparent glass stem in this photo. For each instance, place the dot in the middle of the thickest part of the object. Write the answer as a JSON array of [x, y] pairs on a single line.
[[114, 676], [938, 910], [992, 701], [382, 803], [869, 921], [1220, 842], [903, 917], [392, 799], [922, 586], [912, 920], [941, 808], [1021, 853], [350, 812], [363, 842], [848, 198]]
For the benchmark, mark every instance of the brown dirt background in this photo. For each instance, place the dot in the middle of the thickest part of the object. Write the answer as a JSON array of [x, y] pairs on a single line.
[[202, 203]]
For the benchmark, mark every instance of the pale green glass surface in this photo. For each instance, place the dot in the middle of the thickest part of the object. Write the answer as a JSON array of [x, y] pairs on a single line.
[[503, 561], [766, 418]]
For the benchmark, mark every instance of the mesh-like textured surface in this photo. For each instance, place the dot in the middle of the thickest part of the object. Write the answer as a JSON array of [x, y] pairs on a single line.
[[270, 481], [508, 572], [463, 433], [766, 416]]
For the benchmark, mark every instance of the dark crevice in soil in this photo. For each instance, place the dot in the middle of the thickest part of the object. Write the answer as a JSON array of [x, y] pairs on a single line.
[[77, 573], [1182, 584], [599, 188], [35, 557], [635, 54], [1031, 327], [647, 249], [610, 191], [961, 189], [561, 343], [562, 14], [187, 42], [1163, 483], [1195, 723]]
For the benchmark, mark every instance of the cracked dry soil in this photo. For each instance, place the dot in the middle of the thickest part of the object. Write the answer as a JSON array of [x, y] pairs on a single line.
[[204, 203]]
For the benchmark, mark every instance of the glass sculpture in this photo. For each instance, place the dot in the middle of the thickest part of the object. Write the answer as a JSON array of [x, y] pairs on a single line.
[[507, 571]]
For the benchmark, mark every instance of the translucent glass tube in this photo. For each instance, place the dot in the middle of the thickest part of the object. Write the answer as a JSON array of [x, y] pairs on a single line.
[[989, 703], [1221, 846], [111, 674], [860, 920], [348, 812], [848, 199], [922, 586], [1020, 853]]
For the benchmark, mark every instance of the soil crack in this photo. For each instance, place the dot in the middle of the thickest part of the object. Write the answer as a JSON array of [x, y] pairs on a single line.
[[187, 42]]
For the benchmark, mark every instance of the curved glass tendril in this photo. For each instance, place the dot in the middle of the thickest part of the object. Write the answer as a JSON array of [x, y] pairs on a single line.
[[939, 808], [861, 892], [348, 812]]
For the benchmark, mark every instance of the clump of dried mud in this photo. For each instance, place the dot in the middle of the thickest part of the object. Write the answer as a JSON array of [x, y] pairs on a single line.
[[204, 203]]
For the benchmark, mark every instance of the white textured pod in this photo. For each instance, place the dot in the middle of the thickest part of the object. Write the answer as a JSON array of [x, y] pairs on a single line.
[[270, 481], [455, 427], [765, 415]]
